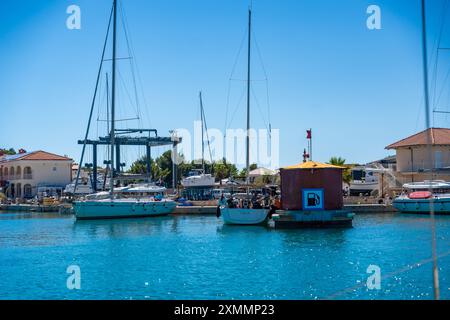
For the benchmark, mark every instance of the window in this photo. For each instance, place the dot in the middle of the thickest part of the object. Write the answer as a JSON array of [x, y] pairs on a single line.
[[437, 159], [19, 190], [27, 191], [27, 174]]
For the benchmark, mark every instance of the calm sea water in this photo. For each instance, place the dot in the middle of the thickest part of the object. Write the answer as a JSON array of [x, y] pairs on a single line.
[[199, 258]]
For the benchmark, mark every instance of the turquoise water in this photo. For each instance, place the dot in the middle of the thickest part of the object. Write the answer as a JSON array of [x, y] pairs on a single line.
[[198, 258]]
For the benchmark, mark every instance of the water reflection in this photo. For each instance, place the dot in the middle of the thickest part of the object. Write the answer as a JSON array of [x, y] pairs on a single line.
[[315, 237], [194, 257], [227, 229], [120, 228], [33, 215]]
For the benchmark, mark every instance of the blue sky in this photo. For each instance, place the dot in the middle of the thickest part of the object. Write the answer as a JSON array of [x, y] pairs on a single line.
[[359, 90]]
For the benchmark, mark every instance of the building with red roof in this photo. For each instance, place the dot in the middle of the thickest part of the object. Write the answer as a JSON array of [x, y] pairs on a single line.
[[23, 174], [423, 155]]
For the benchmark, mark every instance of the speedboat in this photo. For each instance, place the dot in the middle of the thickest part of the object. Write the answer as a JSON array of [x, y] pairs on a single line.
[[417, 197]]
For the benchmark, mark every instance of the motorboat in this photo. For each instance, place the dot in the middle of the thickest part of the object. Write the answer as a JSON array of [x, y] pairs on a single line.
[[417, 197], [364, 181], [197, 178]]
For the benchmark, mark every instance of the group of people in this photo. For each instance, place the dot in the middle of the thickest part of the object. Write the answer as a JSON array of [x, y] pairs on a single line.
[[253, 201]]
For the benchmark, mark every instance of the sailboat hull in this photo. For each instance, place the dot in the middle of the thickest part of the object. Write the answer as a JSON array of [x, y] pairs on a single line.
[[239, 216], [117, 209]]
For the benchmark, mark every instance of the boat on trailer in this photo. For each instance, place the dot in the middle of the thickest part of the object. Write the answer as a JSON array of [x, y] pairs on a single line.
[[417, 197]]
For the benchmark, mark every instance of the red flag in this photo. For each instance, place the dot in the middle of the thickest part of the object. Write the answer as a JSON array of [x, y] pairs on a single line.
[[308, 134]]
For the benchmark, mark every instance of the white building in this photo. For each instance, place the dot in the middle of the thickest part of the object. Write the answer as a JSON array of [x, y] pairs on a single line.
[[23, 174]]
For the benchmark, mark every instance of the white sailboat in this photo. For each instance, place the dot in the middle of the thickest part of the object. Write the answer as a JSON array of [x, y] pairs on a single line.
[[245, 215], [116, 205], [197, 177]]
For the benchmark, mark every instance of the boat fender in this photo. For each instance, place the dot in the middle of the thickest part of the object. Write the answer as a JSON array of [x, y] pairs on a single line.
[[218, 213]]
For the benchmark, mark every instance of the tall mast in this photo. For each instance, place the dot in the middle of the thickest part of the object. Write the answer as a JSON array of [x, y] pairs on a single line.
[[203, 135], [113, 97], [427, 120], [248, 92], [107, 103]]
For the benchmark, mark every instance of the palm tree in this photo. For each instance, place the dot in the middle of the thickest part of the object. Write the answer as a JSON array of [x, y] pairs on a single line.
[[347, 174], [337, 161]]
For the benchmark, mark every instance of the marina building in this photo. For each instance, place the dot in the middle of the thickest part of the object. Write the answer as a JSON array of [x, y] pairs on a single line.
[[414, 162], [24, 175]]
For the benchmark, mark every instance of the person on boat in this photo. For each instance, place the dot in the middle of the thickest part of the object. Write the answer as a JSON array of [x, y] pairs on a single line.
[[277, 203], [231, 203], [222, 201]]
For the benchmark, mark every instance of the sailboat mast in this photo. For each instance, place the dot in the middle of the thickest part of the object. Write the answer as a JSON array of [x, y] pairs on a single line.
[[427, 120], [107, 103], [248, 91], [113, 97], [203, 135]]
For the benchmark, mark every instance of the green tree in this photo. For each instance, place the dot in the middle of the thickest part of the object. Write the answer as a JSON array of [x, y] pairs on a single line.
[[140, 167], [224, 170], [9, 151], [337, 161], [243, 172], [162, 168], [347, 174]]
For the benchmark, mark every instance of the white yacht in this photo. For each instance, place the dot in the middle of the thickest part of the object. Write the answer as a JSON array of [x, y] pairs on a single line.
[[364, 181], [197, 178], [84, 186], [417, 197]]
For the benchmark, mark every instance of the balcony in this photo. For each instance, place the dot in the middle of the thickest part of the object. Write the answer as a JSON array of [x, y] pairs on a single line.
[[27, 176]]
